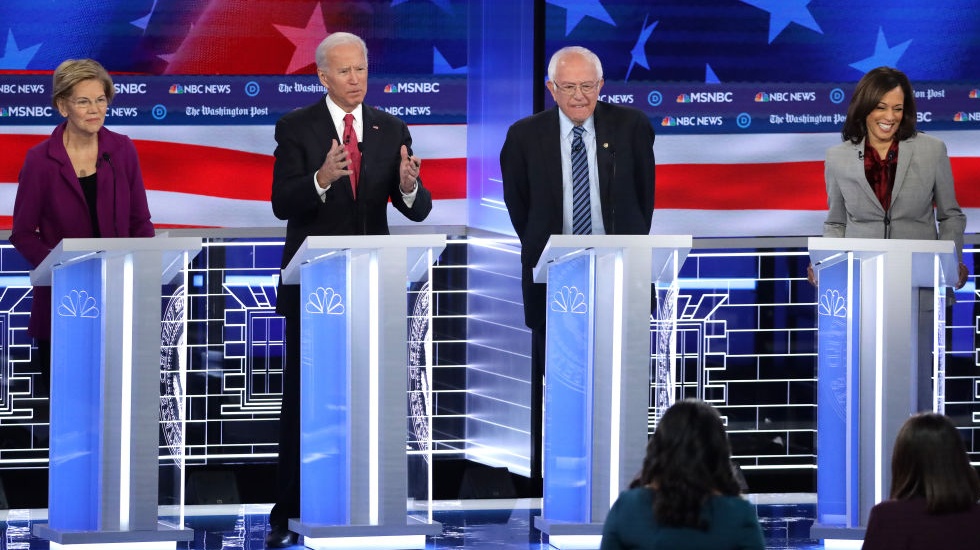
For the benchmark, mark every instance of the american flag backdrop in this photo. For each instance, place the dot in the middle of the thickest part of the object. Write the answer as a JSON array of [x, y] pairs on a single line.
[[745, 95]]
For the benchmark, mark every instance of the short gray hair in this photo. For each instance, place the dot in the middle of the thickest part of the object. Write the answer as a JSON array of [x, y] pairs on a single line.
[[334, 40], [585, 52]]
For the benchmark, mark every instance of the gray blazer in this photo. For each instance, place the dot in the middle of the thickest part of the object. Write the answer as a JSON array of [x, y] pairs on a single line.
[[923, 195]]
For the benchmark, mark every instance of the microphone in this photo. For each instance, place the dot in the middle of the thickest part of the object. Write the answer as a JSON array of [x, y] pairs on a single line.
[[860, 155], [115, 218], [576, 147], [611, 230]]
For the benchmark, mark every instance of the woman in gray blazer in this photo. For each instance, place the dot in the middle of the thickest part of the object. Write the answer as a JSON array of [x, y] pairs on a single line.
[[889, 181]]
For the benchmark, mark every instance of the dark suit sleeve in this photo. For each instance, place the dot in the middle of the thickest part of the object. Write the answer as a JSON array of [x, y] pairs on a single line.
[[293, 191], [423, 199], [513, 169], [32, 187], [139, 224], [645, 182]]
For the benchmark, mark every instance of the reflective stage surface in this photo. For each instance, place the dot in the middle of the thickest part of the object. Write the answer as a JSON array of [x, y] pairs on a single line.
[[499, 524]]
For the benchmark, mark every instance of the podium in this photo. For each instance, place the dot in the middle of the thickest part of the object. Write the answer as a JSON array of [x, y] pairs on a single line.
[[354, 359], [105, 390], [868, 312], [598, 365]]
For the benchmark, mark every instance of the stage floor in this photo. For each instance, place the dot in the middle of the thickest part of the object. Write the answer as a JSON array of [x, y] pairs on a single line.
[[467, 524]]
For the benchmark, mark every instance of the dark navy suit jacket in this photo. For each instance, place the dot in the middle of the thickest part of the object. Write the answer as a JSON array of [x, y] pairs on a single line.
[[530, 164], [303, 138]]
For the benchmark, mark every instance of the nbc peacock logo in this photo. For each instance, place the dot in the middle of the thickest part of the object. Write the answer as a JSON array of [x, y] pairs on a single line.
[[762, 97], [176, 89], [668, 121], [390, 89], [684, 98], [974, 93]]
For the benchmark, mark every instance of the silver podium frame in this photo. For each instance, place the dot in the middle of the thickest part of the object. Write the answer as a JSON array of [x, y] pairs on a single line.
[[866, 376], [354, 478], [105, 360]]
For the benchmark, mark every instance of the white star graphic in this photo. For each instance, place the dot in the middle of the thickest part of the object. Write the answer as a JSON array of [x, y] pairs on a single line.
[[579, 9], [15, 58], [883, 56], [305, 39], [142, 22], [638, 53], [784, 12]]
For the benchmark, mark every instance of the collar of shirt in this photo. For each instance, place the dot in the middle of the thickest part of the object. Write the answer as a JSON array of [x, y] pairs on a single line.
[[337, 115], [565, 124]]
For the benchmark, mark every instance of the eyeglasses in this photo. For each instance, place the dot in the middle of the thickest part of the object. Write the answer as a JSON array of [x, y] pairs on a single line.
[[344, 72], [585, 87], [84, 103]]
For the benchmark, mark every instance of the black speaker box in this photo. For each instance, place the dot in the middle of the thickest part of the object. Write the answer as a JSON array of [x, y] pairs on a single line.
[[212, 487], [485, 482]]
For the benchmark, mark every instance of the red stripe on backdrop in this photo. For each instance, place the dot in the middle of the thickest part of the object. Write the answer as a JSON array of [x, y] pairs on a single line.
[[227, 173], [14, 147], [773, 186], [778, 186], [966, 174]]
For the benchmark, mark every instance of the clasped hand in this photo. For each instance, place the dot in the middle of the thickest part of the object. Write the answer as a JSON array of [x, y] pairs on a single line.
[[408, 170]]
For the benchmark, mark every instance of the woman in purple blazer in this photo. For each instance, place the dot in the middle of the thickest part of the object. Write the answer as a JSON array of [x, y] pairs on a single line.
[[934, 492], [84, 181]]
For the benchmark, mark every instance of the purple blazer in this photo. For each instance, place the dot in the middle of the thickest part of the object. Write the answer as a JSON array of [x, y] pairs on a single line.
[[50, 205]]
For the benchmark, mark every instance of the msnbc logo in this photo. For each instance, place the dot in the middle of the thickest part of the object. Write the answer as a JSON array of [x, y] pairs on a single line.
[[669, 120], [412, 88], [684, 98], [974, 93]]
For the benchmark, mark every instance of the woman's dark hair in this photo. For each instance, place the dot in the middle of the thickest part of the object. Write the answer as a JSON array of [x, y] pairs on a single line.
[[688, 460], [868, 93], [929, 460]]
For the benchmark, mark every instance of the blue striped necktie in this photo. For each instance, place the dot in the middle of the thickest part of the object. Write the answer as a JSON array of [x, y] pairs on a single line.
[[581, 202]]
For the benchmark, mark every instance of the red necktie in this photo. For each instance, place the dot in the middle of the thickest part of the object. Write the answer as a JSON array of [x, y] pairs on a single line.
[[353, 152]]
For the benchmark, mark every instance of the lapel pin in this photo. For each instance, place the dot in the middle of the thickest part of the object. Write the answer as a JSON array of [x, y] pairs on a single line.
[[605, 145]]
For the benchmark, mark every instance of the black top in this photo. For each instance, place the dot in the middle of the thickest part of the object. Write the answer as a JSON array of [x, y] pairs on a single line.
[[90, 188]]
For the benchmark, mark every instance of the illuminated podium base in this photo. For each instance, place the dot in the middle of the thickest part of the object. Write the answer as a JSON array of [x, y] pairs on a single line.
[[165, 537], [356, 537], [569, 536]]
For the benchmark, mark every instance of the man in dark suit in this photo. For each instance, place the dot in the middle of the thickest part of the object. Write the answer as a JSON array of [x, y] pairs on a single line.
[[537, 168], [337, 164]]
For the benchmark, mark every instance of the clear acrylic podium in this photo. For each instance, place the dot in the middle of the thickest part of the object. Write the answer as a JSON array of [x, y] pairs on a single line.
[[868, 311], [354, 472], [105, 390], [598, 365]]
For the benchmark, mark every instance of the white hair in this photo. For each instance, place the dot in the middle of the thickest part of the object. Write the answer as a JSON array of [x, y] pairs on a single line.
[[585, 52], [334, 40]]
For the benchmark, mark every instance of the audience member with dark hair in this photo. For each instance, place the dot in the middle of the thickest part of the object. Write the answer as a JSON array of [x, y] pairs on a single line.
[[687, 496], [934, 492]]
